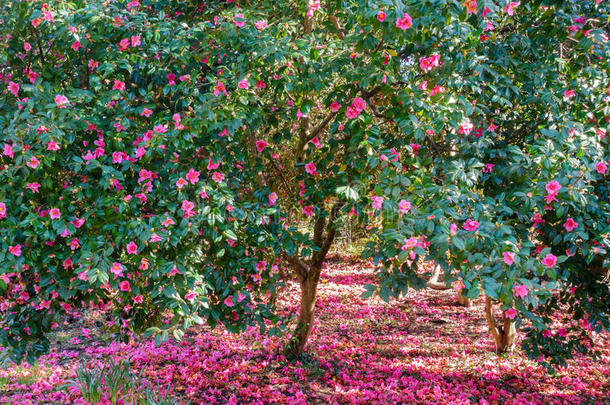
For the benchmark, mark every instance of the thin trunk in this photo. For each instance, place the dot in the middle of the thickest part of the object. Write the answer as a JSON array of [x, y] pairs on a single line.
[[504, 335], [306, 317], [433, 281]]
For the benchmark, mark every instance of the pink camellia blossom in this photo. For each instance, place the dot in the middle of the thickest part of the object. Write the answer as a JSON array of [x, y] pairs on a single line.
[[334, 106], [549, 260], [15, 250], [118, 85], [510, 313], [61, 101], [212, 165], [316, 142], [8, 150], [138, 299], [471, 225], [377, 202], [52, 146], [553, 187], [132, 248], [187, 205], [465, 127], [471, 6], [190, 296], [160, 129], [429, 63], [351, 112], [520, 290], [74, 244], [510, 7], [601, 167], [308, 210], [135, 40], [116, 269], [260, 24], [261, 145], [239, 20], [181, 183], [192, 176], [146, 112], [229, 301], [272, 198], [509, 257], [13, 88], [568, 94], [404, 206], [310, 168], [381, 16], [2, 210], [219, 88], [243, 84], [218, 177], [453, 228], [405, 22], [570, 225], [124, 286], [54, 213], [359, 104]]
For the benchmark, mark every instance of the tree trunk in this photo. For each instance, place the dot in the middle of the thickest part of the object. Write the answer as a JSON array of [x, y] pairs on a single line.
[[504, 335], [306, 317]]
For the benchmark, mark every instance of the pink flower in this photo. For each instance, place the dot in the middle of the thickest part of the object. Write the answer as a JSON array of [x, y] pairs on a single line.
[[310, 168], [510, 7], [510, 313], [260, 24], [377, 202], [471, 6], [74, 244], [116, 269], [601, 167], [212, 165], [52, 146], [243, 84], [404, 206], [359, 104], [229, 301], [553, 187], [549, 260], [181, 183], [54, 213], [124, 286], [160, 129], [272, 198], [351, 112], [138, 299], [187, 205], [218, 177], [520, 290], [61, 101], [146, 112], [132, 248], [316, 142], [13, 88], [239, 20], [261, 145], [429, 63], [453, 229], [334, 106], [471, 225], [192, 176], [570, 225], [190, 296], [219, 88], [118, 85], [2, 210], [381, 16], [308, 211], [8, 150], [15, 250], [509, 257], [404, 22]]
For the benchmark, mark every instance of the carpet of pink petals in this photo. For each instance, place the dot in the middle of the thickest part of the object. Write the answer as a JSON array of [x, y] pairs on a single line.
[[419, 349]]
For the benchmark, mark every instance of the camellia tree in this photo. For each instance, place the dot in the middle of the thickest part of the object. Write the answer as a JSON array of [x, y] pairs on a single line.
[[173, 158]]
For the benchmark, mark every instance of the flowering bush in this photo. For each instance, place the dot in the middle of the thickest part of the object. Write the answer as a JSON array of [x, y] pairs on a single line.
[[165, 161]]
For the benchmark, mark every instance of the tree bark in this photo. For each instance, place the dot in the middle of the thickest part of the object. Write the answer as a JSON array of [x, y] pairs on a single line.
[[503, 335], [304, 325]]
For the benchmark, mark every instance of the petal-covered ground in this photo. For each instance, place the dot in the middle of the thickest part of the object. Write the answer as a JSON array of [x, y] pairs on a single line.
[[420, 349]]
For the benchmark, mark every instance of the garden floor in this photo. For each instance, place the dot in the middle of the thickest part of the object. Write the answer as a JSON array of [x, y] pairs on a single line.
[[420, 349]]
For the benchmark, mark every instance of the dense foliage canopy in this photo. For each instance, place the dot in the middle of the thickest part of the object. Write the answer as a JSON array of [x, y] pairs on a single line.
[[172, 157]]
